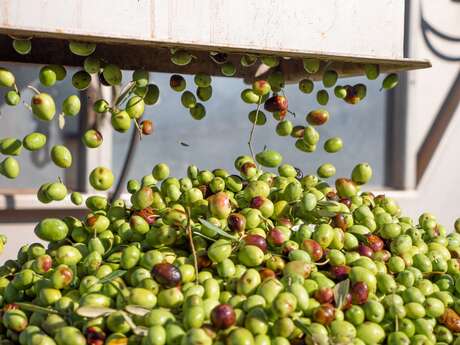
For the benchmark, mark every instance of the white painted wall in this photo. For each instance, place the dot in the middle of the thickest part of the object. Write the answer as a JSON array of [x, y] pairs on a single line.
[[439, 190]]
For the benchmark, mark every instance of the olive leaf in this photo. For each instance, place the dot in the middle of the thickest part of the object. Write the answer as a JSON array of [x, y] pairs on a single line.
[[204, 236], [138, 330], [341, 291], [303, 327], [126, 90], [136, 310], [93, 312], [36, 308], [112, 276], [217, 229], [327, 203]]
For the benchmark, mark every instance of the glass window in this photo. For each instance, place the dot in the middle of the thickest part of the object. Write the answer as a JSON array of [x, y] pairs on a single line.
[[222, 135], [36, 167]]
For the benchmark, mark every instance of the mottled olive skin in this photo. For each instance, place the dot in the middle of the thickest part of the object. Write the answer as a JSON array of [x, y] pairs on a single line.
[[43, 106], [101, 178]]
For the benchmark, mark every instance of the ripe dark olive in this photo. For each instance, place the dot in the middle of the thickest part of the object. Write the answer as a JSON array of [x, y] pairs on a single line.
[[223, 316], [375, 242], [256, 240], [266, 273], [365, 250], [324, 295], [203, 261], [318, 117], [339, 272], [166, 274], [95, 336], [276, 103], [345, 201], [324, 314], [359, 293], [236, 222], [339, 221], [146, 127]]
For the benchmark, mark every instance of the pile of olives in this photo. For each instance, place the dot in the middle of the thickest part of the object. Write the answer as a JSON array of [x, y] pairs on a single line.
[[253, 258]]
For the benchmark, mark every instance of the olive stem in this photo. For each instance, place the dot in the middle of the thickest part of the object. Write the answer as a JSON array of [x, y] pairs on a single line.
[[139, 130], [192, 245], [33, 89], [16, 88], [251, 134]]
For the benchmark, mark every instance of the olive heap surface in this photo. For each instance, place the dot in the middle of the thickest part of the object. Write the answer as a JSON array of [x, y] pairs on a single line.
[[254, 258]]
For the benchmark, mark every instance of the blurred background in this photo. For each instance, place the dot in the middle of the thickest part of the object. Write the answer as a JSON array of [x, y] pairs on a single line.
[[409, 135]]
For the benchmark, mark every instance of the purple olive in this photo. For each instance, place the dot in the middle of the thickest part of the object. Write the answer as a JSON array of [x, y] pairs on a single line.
[[223, 316], [359, 293], [256, 240], [166, 274], [236, 222], [365, 250]]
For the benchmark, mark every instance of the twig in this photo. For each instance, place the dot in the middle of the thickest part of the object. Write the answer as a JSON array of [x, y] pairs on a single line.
[[251, 134], [192, 245], [33, 89], [139, 130]]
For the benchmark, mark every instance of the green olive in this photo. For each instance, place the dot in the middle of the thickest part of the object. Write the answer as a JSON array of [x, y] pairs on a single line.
[[71, 105], [112, 74], [43, 106], [101, 178], [10, 168], [81, 80], [47, 76], [34, 141], [61, 156], [7, 78], [12, 98], [22, 46], [51, 229]]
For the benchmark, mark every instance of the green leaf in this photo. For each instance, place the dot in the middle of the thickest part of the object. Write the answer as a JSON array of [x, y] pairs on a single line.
[[341, 291], [327, 203], [112, 276], [204, 236], [303, 327], [93, 312], [36, 308], [127, 90], [218, 230]]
